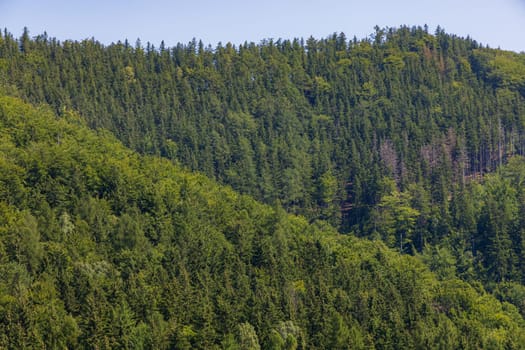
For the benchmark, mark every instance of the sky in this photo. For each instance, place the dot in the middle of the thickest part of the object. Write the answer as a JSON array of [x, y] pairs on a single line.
[[497, 23]]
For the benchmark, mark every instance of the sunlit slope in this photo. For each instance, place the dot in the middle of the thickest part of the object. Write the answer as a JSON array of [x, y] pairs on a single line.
[[103, 248]]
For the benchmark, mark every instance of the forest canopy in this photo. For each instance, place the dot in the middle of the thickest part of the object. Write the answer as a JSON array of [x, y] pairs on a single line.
[[103, 248], [291, 194]]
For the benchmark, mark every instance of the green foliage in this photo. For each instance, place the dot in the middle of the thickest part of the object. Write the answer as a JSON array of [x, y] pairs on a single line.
[[247, 337], [272, 119], [396, 218], [107, 249], [503, 68], [411, 138]]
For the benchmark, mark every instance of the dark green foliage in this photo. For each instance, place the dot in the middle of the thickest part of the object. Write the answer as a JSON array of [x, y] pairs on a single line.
[[107, 249], [315, 124]]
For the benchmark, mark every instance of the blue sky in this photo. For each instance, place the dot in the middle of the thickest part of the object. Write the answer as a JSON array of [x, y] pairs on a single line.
[[498, 23]]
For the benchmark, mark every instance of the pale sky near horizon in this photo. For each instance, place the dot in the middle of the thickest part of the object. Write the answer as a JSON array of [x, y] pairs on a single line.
[[497, 23]]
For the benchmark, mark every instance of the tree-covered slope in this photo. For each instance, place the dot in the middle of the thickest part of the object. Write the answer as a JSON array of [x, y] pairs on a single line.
[[316, 124], [103, 248], [388, 137]]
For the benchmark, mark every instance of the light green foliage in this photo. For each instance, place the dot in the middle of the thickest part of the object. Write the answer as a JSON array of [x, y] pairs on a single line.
[[321, 85], [396, 219], [505, 68], [394, 61], [248, 337]]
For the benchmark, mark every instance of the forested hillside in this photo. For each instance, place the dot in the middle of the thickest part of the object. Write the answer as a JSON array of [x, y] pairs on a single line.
[[101, 248], [385, 137], [412, 140], [316, 124]]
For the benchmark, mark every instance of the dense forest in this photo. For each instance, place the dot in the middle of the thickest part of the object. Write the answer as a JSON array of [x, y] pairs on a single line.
[[101, 248], [402, 156]]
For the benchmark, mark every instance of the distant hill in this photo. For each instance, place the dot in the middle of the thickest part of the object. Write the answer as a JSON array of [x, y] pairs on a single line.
[[315, 124]]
